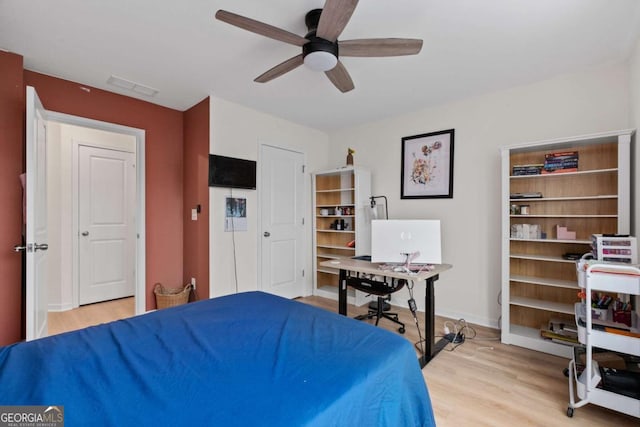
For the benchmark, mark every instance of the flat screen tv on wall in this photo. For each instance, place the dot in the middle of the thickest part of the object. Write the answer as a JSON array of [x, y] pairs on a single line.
[[230, 172]]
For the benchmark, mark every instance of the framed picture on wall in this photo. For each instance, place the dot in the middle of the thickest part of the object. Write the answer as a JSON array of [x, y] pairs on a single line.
[[235, 217], [427, 166]]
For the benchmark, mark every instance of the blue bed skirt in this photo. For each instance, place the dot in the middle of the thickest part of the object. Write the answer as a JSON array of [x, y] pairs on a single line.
[[251, 359]]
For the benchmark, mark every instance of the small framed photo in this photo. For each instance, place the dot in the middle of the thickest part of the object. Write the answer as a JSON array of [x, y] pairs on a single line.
[[427, 166], [235, 217]]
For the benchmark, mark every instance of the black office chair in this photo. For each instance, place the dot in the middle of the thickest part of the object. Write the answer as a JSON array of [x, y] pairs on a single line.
[[382, 289]]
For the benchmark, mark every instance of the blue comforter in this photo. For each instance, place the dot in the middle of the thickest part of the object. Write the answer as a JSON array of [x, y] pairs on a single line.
[[251, 359]]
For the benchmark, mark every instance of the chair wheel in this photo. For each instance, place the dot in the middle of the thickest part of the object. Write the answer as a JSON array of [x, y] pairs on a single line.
[[565, 371], [401, 330], [570, 412]]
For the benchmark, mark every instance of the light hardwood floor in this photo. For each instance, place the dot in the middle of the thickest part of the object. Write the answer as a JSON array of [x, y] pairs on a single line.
[[480, 383], [90, 315]]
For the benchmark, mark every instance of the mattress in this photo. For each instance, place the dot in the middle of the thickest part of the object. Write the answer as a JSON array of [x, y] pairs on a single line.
[[249, 359]]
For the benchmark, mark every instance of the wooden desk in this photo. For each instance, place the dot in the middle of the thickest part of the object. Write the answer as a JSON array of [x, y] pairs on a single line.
[[348, 266]]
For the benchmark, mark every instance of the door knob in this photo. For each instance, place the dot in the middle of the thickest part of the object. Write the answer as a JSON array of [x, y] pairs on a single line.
[[267, 234], [31, 247], [85, 233]]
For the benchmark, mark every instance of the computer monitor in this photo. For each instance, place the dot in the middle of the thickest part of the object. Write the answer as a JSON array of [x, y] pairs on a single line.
[[392, 238]]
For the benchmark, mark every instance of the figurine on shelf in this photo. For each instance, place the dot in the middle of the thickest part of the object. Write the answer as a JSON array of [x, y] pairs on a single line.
[[350, 152]]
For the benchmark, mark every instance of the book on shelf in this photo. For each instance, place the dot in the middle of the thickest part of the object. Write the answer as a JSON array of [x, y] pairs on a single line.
[[560, 331], [532, 169], [555, 163], [532, 195], [559, 336], [561, 155], [561, 162]]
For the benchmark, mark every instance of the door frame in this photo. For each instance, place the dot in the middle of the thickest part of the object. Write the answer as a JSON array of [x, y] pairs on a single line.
[[306, 284], [140, 225]]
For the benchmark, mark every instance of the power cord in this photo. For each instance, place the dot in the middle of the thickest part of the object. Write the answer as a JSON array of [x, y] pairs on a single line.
[[457, 332], [233, 240], [413, 308]]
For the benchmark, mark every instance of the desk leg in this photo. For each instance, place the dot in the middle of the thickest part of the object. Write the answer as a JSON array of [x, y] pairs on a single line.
[[342, 292], [431, 348]]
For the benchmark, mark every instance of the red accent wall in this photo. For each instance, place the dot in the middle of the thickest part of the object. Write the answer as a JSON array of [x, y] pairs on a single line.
[[196, 192], [12, 109], [163, 165]]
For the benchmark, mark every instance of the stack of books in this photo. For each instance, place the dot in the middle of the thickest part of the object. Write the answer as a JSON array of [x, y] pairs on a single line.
[[566, 161], [533, 169]]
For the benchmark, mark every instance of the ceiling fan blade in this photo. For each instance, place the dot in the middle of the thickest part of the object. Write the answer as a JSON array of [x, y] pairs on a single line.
[[379, 47], [340, 78], [335, 16], [260, 28], [280, 69]]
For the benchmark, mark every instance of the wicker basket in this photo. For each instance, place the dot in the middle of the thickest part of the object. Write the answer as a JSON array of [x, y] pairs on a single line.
[[171, 297]]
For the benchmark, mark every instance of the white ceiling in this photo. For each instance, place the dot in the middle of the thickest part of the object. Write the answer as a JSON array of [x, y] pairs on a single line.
[[177, 47]]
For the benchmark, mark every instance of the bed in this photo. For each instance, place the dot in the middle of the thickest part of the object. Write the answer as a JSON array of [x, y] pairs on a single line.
[[250, 359]]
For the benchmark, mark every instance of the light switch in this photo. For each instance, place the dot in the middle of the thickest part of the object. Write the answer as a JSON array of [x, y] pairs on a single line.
[[194, 214]]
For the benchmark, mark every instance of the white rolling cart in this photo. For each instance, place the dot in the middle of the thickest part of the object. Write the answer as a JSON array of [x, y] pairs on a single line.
[[613, 279]]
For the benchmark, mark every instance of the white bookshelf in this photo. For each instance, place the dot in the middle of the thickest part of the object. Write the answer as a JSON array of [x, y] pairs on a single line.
[[348, 189], [538, 284]]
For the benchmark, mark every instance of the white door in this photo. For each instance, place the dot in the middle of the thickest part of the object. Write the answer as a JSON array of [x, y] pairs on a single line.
[[36, 218], [106, 221], [282, 209]]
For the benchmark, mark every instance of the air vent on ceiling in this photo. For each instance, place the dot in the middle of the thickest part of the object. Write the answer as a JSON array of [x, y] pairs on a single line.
[[132, 86]]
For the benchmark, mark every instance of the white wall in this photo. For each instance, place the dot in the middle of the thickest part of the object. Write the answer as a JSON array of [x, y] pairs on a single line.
[[238, 131], [594, 100], [62, 140]]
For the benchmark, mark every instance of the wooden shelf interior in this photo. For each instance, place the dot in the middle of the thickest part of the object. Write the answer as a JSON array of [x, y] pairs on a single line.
[[607, 206], [334, 189], [334, 252], [566, 185], [548, 270], [335, 239], [535, 318], [543, 248], [325, 222], [543, 285], [591, 156], [327, 280], [584, 227]]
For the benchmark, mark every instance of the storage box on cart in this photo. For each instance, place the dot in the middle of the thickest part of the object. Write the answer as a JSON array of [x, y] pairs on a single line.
[[614, 248]]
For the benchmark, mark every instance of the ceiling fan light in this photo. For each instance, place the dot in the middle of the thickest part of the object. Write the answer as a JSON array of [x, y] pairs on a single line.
[[320, 60]]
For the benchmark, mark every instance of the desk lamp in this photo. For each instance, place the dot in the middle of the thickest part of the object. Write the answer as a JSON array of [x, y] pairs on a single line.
[[374, 210]]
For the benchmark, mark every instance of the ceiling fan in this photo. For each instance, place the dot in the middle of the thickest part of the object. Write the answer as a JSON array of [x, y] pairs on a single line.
[[321, 49]]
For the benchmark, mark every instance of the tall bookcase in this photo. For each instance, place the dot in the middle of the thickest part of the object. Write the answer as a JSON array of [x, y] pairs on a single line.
[[538, 283], [340, 196]]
